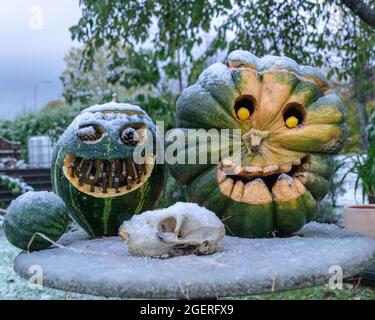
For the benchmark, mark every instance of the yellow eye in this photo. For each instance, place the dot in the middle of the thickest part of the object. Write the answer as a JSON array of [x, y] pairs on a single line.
[[291, 122], [243, 114]]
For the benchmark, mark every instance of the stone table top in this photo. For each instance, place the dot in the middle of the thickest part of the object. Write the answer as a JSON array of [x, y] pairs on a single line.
[[104, 267]]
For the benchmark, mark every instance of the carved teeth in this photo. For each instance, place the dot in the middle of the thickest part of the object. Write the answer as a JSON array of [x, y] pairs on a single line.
[[269, 169], [253, 169], [116, 184], [89, 170], [72, 167], [256, 192], [237, 191], [286, 188], [104, 176], [104, 182], [226, 187], [243, 187], [92, 183], [227, 163], [220, 176], [286, 168], [129, 182], [135, 174]]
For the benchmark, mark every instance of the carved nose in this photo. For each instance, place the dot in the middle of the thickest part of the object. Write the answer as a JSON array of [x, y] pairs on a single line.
[[253, 139]]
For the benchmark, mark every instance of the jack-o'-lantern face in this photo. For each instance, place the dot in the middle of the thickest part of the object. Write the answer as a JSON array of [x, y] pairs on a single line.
[[289, 128], [95, 166], [102, 163]]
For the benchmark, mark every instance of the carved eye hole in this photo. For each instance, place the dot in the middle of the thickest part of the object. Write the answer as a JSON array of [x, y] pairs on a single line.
[[244, 107], [136, 134], [89, 133], [130, 137], [293, 115]]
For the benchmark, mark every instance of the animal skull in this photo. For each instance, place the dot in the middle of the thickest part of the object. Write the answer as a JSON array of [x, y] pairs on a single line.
[[184, 228]]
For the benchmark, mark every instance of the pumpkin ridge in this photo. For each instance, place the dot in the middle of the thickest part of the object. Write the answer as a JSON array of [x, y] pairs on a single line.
[[288, 133]]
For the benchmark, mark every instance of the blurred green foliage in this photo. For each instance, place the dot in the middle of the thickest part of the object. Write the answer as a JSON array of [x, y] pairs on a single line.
[[322, 33], [50, 121]]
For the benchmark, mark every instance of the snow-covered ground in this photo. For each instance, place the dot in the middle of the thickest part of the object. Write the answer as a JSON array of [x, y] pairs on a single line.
[[14, 287]]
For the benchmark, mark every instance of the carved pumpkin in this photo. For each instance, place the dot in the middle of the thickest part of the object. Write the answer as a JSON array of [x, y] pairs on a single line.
[[289, 130], [94, 171]]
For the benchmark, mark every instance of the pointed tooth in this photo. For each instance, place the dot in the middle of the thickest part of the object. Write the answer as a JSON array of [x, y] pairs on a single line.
[[227, 163], [237, 191], [129, 181], [253, 169], [113, 169], [104, 182], [286, 168], [138, 168], [72, 167], [89, 169], [297, 162], [220, 176], [80, 166], [270, 169], [101, 169], [286, 188], [80, 179], [135, 174], [256, 192], [116, 184], [226, 187], [124, 171], [92, 183]]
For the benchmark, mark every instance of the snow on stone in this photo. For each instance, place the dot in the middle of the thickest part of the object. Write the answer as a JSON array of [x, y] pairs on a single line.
[[244, 266]]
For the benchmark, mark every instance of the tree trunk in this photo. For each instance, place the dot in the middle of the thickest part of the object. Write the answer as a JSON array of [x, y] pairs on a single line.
[[362, 116], [362, 10]]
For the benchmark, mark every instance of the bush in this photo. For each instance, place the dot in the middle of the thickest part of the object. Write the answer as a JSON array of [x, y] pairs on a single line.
[[51, 122]]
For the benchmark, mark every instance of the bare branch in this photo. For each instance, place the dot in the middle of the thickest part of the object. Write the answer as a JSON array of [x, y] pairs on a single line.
[[362, 10]]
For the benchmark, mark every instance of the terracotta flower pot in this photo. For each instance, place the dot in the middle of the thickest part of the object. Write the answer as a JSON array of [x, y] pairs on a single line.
[[360, 218]]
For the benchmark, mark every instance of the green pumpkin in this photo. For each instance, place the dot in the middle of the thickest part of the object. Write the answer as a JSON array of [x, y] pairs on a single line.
[[289, 129], [95, 172], [32, 212]]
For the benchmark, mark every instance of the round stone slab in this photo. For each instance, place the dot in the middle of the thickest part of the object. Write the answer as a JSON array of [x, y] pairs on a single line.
[[104, 267]]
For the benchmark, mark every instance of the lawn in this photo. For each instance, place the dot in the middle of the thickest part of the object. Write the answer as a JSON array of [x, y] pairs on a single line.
[[13, 287]]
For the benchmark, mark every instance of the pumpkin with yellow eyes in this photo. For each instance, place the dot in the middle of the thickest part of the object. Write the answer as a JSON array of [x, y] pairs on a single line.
[[289, 129]]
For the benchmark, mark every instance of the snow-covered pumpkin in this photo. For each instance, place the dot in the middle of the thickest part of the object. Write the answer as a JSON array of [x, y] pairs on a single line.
[[290, 128], [95, 172]]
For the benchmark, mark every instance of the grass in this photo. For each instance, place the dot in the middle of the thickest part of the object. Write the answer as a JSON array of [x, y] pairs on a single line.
[[12, 287]]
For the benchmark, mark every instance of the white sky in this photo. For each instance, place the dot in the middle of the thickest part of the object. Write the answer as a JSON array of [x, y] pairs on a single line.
[[34, 39]]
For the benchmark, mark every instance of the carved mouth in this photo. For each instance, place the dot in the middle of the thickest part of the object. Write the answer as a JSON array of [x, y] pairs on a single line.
[[107, 178], [260, 185]]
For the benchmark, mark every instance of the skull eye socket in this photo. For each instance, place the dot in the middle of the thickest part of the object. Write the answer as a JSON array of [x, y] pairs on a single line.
[[244, 107], [133, 135], [90, 133], [294, 115], [168, 225]]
